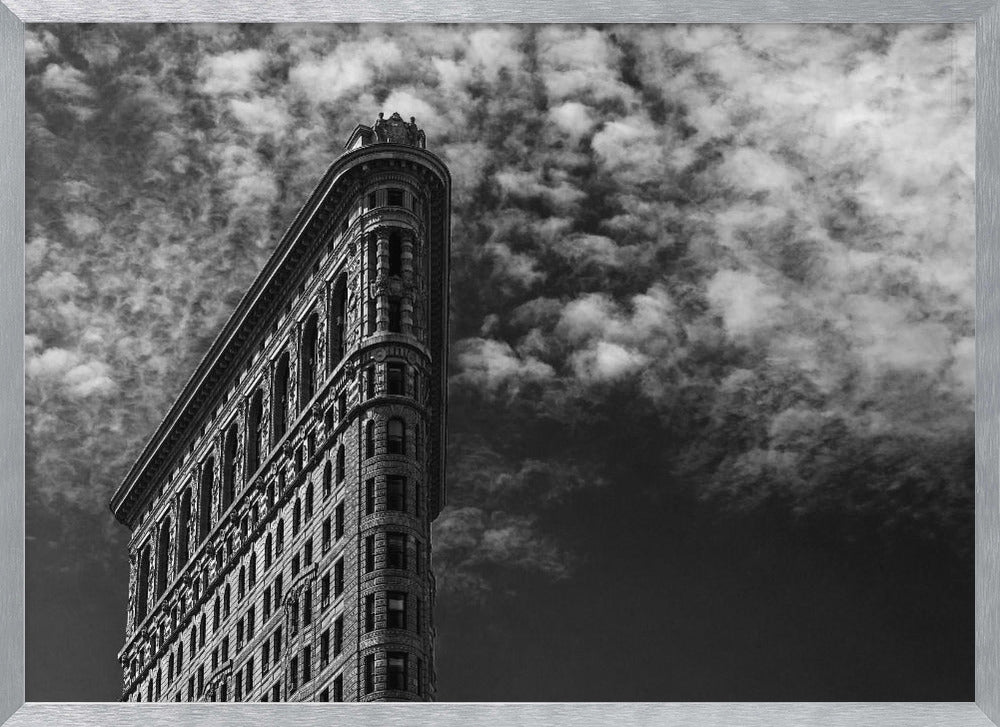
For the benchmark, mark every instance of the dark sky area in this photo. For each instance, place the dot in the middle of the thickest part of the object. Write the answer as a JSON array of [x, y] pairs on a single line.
[[711, 373]]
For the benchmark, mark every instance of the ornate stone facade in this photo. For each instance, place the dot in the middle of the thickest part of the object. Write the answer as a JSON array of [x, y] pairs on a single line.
[[281, 513]]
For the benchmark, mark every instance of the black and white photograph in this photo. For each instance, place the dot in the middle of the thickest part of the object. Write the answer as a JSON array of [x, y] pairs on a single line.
[[500, 362]]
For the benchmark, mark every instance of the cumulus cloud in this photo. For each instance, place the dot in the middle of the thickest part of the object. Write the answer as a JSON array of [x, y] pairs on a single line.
[[757, 241]]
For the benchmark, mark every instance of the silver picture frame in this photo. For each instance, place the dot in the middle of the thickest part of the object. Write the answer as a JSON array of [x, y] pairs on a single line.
[[985, 711]]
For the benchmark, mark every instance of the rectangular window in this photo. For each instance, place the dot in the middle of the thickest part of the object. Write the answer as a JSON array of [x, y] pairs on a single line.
[[249, 673], [324, 696], [238, 687], [225, 648], [276, 639], [396, 379], [306, 664], [416, 614], [250, 623], [420, 676], [293, 675], [239, 635], [267, 603], [307, 608], [395, 315], [338, 521], [371, 200], [370, 382], [293, 617], [369, 554], [338, 689], [295, 565], [276, 693], [396, 602], [265, 656], [338, 635], [395, 550], [370, 496], [394, 197], [327, 531], [395, 493], [416, 494], [215, 658], [324, 591], [372, 317], [201, 680], [396, 672], [338, 577], [342, 406], [191, 689], [277, 592], [369, 612], [416, 555], [369, 673], [324, 649], [308, 556]]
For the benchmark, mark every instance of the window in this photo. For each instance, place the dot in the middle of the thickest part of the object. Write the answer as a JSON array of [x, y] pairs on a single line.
[[238, 687], [279, 399], [338, 635], [342, 405], [216, 611], [369, 612], [396, 550], [265, 656], [396, 605], [205, 498], [276, 693], [201, 680], [191, 689], [338, 577], [270, 495], [280, 538], [309, 501], [325, 537], [249, 675], [396, 379], [306, 664], [253, 570], [338, 521], [255, 432], [276, 640], [267, 603], [369, 673], [295, 565], [327, 480], [324, 649], [416, 555], [420, 676], [268, 542], [225, 648], [338, 689], [293, 675], [396, 673], [307, 361], [341, 464], [324, 696], [307, 607], [370, 438], [416, 496], [370, 496], [226, 600], [394, 197], [293, 617], [201, 632], [277, 593], [241, 587], [372, 316], [296, 516], [396, 493], [142, 604], [369, 554], [215, 658], [371, 200], [324, 590], [250, 623], [395, 253], [183, 525], [338, 321], [396, 436], [229, 467], [370, 382], [395, 315], [239, 635]]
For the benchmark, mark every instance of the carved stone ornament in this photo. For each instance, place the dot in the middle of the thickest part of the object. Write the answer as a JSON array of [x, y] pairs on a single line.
[[396, 131]]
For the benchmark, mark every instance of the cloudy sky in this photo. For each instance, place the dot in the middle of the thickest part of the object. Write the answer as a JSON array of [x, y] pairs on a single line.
[[711, 425]]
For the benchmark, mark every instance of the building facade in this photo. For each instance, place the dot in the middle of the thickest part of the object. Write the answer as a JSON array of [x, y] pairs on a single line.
[[281, 512]]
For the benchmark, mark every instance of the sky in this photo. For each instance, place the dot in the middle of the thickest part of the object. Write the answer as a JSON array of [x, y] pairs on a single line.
[[711, 373]]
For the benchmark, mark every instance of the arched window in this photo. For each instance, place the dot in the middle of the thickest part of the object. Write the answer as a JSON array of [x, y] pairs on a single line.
[[229, 467], [183, 525], [205, 498], [395, 253], [341, 464], [267, 551], [163, 558], [396, 436], [307, 360], [142, 586], [370, 438], [226, 600], [328, 479], [279, 399], [338, 321], [309, 501], [296, 516], [255, 427]]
